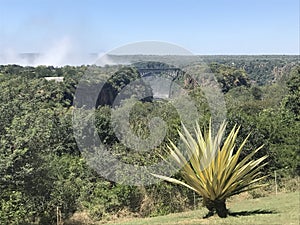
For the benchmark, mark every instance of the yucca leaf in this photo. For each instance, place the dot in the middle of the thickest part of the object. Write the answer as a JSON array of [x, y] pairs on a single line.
[[175, 181], [211, 169]]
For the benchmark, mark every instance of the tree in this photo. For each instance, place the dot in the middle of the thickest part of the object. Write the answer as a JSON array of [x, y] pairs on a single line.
[[292, 101], [229, 77]]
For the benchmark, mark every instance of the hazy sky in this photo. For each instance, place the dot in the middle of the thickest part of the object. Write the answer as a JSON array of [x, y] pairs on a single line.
[[201, 26]]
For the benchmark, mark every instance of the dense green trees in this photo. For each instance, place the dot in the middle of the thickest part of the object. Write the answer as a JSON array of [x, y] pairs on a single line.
[[41, 167], [292, 100], [35, 130], [229, 77], [271, 120]]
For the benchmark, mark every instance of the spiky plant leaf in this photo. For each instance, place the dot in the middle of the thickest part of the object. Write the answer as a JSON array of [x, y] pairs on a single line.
[[212, 169]]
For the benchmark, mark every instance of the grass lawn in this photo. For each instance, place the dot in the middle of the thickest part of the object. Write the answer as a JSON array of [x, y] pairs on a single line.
[[281, 209]]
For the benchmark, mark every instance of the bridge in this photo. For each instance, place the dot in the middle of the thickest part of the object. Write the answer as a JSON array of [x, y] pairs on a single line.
[[171, 73], [161, 89]]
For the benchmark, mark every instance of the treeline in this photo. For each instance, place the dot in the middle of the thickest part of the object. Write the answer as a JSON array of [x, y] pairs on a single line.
[[42, 168], [261, 70]]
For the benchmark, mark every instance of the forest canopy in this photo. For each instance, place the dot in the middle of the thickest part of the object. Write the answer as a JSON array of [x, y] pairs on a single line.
[[42, 167]]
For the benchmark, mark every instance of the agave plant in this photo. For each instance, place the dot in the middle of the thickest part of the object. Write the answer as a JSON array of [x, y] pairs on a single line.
[[212, 167]]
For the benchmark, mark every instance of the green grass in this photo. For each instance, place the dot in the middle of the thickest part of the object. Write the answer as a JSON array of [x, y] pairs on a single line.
[[281, 209]]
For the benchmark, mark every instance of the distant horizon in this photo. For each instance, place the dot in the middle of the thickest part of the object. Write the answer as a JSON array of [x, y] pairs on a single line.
[[40, 59], [194, 54]]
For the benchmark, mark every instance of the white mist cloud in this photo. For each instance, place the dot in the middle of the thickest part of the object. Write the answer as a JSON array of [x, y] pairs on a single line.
[[104, 59], [56, 55], [60, 52], [10, 56]]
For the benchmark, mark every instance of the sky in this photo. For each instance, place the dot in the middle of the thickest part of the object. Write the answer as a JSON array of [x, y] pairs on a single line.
[[200, 26]]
